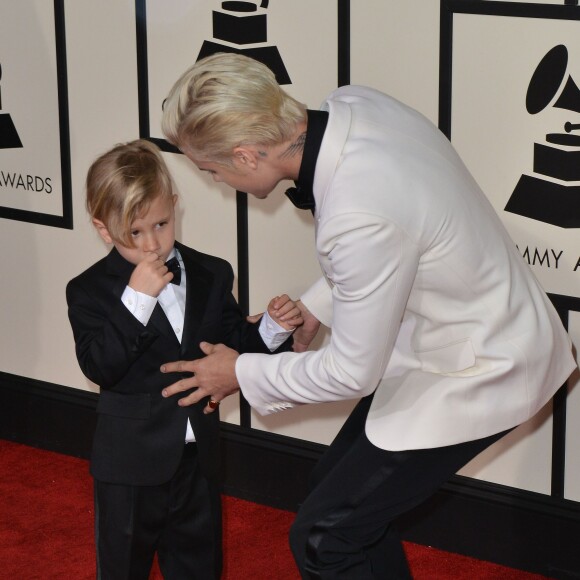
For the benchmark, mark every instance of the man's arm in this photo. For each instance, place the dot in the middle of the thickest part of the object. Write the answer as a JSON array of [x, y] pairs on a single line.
[[369, 299], [215, 375]]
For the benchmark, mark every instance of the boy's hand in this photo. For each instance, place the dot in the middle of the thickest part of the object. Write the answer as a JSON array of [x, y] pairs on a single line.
[[150, 276], [285, 312], [304, 335]]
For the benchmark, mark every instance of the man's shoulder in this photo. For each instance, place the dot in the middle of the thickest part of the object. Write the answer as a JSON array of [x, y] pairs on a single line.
[[355, 94], [378, 108]]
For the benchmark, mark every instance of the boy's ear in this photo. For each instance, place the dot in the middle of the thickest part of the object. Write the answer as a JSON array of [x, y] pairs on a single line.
[[103, 231]]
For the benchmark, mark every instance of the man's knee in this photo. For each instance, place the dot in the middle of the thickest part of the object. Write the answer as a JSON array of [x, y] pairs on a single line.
[[306, 540]]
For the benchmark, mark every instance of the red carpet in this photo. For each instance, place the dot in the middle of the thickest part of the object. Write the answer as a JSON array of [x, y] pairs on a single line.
[[46, 529]]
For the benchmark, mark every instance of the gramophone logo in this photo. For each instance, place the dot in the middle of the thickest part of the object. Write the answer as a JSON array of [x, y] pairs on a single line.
[[535, 196], [9, 138], [240, 24]]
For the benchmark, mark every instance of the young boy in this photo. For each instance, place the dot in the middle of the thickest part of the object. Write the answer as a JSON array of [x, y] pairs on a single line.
[[152, 299]]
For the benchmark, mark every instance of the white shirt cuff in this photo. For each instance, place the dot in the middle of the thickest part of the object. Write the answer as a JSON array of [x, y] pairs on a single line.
[[140, 305], [272, 333]]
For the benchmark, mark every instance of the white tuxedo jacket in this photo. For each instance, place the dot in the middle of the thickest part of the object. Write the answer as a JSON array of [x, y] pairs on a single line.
[[429, 301]]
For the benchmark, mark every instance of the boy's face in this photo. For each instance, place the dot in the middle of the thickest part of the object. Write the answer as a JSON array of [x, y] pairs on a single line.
[[152, 233]]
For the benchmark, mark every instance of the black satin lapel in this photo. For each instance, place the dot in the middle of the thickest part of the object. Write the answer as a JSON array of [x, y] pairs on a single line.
[[199, 282], [160, 321], [121, 269]]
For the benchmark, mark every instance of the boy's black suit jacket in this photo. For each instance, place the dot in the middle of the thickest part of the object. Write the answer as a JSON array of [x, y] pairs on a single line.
[[140, 435]]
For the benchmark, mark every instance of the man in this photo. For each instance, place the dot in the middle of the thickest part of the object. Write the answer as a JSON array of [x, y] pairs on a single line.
[[436, 321]]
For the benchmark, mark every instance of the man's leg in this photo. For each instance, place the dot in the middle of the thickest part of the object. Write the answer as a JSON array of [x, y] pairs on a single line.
[[344, 528]]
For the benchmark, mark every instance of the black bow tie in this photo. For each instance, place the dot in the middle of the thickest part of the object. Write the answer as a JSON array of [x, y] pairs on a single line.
[[173, 266], [300, 198]]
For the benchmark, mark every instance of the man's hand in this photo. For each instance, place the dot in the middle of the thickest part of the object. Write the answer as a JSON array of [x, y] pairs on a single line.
[[214, 376], [305, 334]]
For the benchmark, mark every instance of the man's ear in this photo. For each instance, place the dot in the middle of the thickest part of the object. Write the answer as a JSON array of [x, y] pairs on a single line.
[[245, 157], [103, 231]]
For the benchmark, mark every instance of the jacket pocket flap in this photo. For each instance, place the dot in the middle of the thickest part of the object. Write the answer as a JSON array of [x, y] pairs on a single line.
[[450, 358], [126, 406]]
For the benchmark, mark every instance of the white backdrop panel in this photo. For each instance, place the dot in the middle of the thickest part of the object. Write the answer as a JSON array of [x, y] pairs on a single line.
[[494, 59], [395, 49], [30, 175]]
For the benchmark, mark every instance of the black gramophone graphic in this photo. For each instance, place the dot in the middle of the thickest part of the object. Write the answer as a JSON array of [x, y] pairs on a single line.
[[241, 24], [9, 138], [556, 203]]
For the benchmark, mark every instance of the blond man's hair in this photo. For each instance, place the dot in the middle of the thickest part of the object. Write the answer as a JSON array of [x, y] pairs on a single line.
[[122, 183], [228, 100]]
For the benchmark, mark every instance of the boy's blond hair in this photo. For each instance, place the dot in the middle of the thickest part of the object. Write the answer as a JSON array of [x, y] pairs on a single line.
[[228, 100], [122, 183]]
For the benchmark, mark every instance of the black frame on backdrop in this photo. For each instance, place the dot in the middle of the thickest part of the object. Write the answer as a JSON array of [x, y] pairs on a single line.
[[66, 219], [568, 11], [563, 304], [343, 74]]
